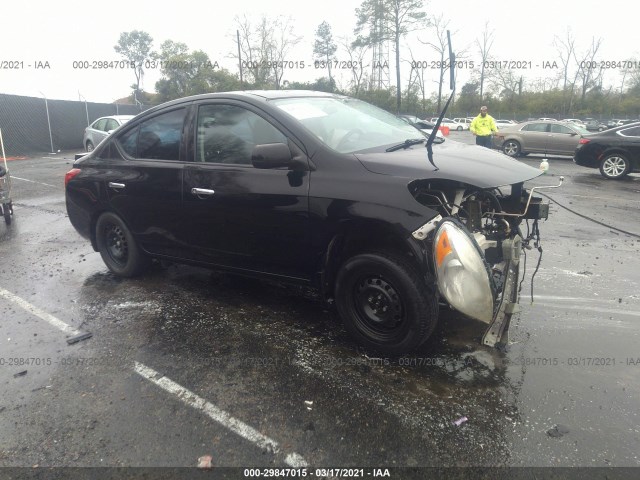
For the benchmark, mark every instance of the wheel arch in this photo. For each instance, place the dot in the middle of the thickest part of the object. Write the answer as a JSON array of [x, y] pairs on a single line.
[[620, 151], [367, 236]]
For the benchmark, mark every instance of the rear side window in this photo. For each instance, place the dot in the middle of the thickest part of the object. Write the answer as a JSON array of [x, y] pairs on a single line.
[[561, 129], [158, 138], [111, 125], [100, 124], [631, 132], [129, 142]]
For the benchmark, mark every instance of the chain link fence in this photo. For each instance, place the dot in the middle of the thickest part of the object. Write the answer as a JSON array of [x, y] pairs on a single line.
[[37, 124]]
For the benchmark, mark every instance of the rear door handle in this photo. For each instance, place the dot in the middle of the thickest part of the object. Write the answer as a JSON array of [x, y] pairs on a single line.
[[202, 192], [116, 186]]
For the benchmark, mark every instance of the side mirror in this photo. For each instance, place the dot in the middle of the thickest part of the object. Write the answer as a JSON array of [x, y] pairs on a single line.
[[271, 155]]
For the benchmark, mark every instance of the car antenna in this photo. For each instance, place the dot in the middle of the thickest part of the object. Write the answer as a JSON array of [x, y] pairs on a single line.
[[452, 84]]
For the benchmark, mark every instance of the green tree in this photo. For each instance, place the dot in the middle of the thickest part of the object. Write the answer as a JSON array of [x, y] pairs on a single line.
[[135, 46], [185, 73], [324, 47], [380, 21]]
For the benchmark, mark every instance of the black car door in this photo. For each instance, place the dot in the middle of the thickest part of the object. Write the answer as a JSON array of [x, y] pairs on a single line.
[[238, 215], [143, 180]]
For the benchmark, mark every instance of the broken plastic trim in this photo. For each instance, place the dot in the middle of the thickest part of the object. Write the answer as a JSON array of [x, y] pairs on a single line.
[[424, 230], [498, 331]]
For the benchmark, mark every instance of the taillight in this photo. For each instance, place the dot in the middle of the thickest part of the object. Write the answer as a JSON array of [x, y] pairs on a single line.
[[70, 174], [583, 141]]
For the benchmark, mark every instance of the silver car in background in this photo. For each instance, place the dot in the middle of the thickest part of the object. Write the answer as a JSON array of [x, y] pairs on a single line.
[[101, 128], [548, 137]]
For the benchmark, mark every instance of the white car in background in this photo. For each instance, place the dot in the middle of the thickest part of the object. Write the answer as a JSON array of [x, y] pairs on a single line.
[[575, 121], [505, 123], [101, 129], [464, 121], [422, 125], [447, 122]]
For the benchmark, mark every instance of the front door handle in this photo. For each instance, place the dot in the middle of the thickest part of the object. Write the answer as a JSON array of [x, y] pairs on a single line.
[[116, 186], [202, 192]]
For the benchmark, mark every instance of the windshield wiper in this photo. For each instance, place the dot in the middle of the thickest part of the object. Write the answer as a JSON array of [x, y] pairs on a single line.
[[406, 144], [452, 84]]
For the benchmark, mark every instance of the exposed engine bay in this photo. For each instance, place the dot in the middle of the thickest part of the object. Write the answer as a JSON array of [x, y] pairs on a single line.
[[475, 244]]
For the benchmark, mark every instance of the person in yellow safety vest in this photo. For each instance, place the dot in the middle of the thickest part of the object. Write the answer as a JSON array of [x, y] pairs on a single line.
[[483, 127]]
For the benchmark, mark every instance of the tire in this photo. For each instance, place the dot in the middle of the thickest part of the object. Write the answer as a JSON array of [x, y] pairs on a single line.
[[89, 146], [6, 209], [511, 148], [615, 166], [384, 303], [118, 248], [459, 129]]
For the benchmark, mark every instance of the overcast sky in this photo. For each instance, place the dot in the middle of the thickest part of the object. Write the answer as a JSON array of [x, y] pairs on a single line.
[[64, 31]]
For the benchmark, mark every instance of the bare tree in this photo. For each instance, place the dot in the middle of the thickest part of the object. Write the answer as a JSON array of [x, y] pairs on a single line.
[[255, 44], [283, 39], [484, 45], [566, 48], [357, 54], [588, 71], [441, 47]]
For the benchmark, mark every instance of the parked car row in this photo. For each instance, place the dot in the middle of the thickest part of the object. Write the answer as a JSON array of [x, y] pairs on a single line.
[[616, 151]]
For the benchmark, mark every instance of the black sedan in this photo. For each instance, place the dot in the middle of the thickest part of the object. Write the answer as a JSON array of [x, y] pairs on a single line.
[[615, 152], [317, 189]]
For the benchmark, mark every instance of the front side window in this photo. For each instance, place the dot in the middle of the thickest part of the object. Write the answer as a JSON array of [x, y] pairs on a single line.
[[228, 134]]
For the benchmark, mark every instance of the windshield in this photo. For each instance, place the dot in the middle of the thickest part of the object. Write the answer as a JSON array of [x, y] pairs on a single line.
[[348, 125]]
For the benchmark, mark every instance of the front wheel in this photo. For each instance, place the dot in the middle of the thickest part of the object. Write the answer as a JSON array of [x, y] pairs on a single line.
[[459, 128], [90, 146], [615, 166], [118, 248], [511, 148], [384, 303]]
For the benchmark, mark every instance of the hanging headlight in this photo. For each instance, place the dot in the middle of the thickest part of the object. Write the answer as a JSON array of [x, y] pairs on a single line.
[[463, 277]]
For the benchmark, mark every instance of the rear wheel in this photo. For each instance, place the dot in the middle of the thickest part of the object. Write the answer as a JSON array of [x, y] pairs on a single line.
[[511, 148], [384, 303], [6, 210], [118, 248], [459, 128], [615, 166]]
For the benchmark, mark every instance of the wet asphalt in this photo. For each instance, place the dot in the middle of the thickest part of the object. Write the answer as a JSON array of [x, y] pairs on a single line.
[[564, 393]]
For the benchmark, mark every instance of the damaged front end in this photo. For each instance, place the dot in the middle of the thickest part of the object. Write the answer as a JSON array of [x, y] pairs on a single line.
[[475, 244]]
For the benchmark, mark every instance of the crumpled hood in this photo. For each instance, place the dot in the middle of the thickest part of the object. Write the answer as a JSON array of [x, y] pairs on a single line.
[[477, 166]]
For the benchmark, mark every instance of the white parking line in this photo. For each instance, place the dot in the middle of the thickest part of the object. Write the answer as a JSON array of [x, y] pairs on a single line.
[[13, 177], [293, 459], [223, 418], [50, 319]]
